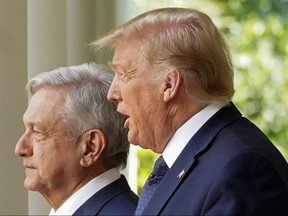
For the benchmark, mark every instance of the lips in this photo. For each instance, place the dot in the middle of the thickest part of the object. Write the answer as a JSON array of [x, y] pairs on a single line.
[[28, 166], [126, 123], [29, 169]]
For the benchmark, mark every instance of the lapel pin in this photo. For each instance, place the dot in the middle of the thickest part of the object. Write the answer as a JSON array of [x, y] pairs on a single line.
[[181, 174]]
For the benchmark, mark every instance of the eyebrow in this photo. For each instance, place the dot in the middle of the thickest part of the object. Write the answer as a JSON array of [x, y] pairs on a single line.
[[126, 68], [29, 120], [112, 65]]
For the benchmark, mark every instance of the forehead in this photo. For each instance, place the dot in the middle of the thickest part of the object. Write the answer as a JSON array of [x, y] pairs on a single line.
[[127, 54], [44, 106]]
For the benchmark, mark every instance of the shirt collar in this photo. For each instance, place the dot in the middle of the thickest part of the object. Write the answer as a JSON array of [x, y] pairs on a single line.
[[182, 136], [85, 192]]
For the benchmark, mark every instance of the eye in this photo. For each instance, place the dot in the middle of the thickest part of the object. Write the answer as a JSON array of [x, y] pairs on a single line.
[[37, 132], [121, 75], [38, 135]]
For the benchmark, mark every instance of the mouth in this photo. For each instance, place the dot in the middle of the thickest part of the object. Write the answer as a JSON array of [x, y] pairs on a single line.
[[126, 123], [27, 166], [127, 117]]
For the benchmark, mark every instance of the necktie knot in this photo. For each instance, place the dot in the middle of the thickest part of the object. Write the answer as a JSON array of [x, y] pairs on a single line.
[[159, 171], [160, 167]]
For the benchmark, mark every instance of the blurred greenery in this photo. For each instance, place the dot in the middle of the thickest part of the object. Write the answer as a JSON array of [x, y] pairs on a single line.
[[146, 159], [257, 34]]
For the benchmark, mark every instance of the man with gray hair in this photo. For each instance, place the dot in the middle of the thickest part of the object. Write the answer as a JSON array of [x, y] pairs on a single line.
[[74, 143]]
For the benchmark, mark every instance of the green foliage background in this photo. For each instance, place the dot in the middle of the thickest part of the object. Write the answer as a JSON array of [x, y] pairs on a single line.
[[257, 34]]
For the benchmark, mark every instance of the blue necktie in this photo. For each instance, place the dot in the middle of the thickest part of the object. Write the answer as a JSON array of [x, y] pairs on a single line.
[[159, 170]]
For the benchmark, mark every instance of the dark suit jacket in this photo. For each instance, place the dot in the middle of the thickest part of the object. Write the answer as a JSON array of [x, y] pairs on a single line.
[[229, 167], [114, 199]]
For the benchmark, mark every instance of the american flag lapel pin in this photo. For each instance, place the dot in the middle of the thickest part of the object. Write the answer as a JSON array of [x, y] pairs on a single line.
[[181, 174]]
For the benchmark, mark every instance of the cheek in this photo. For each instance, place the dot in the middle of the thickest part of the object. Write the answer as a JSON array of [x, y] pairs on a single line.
[[48, 160], [48, 166], [144, 111]]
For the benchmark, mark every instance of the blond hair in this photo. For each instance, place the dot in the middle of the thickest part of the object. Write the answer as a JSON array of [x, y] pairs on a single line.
[[185, 40]]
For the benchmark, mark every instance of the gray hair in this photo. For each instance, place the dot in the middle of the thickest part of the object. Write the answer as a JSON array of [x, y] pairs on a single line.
[[86, 106]]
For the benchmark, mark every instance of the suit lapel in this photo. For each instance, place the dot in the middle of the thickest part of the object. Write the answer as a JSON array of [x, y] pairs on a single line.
[[169, 184], [186, 160], [95, 203]]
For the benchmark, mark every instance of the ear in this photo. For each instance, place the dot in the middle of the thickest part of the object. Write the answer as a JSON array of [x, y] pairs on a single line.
[[172, 85], [93, 146]]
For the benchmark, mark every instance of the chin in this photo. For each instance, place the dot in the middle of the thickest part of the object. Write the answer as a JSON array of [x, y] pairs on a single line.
[[132, 140], [30, 185]]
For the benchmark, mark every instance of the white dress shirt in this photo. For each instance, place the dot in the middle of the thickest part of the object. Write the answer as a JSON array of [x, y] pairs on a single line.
[[85, 192], [182, 136]]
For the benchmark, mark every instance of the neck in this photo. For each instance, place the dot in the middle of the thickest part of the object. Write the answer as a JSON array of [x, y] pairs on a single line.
[[175, 118], [57, 197]]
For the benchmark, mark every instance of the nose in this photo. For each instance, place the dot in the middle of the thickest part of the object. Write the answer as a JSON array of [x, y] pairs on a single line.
[[23, 147], [114, 94]]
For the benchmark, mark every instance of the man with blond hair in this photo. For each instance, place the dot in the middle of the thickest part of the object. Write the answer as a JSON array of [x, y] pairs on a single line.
[[174, 83]]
